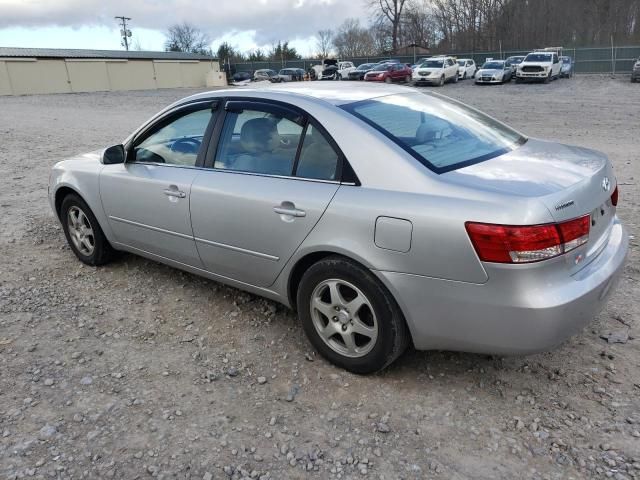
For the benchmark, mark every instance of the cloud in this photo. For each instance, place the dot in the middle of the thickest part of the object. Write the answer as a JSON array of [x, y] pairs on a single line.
[[267, 20]]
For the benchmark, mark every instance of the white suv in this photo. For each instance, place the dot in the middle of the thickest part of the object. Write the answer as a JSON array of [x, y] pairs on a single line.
[[540, 66], [466, 68], [436, 71]]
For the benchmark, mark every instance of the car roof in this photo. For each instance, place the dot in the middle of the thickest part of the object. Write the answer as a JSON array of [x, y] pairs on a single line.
[[325, 92]]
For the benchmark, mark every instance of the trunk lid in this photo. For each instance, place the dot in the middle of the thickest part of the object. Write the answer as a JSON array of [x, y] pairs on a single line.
[[570, 181]]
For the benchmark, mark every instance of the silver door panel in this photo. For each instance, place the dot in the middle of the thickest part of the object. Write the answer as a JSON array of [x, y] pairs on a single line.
[[247, 226], [148, 208]]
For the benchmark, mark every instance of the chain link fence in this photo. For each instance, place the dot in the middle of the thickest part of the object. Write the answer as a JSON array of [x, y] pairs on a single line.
[[587, 60]]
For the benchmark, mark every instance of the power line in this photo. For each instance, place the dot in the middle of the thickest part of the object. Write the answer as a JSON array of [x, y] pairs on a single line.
[[125, 33]]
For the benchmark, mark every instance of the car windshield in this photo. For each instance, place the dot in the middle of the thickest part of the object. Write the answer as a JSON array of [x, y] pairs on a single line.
[[514, 60], [493, 66], [538, 57], [365, 66], [461, 62], [381, 68], [441, 133], [432, 64], [566, 59]]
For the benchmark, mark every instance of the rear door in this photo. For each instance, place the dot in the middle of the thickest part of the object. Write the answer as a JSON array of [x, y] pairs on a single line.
[[269, 181]]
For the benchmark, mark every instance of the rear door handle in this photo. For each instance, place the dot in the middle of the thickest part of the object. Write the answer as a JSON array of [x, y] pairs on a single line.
[[294, 212], [173, 191]]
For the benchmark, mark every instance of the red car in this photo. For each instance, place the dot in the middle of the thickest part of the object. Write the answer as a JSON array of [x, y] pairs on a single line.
[[389, 72]]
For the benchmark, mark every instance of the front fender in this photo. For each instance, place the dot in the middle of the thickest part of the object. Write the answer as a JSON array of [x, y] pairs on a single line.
[[82, 176]]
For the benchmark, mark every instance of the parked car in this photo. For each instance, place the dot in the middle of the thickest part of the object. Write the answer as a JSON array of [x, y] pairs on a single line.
[[436, 71], [513, 62], [481, 240], [539, 66], [466, 68], [389, 72], [495, 71], [241, 78], [265, 74], [566, 67], [290, 75], [344, 69], [322, 66], [358, 73], [635, 73]]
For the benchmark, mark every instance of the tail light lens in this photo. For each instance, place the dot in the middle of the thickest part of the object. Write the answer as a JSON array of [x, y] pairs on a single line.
[[614, 197], [526, 244]]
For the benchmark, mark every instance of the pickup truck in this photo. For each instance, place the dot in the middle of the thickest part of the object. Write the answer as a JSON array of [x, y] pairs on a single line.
[[344, 69], [541, 66]]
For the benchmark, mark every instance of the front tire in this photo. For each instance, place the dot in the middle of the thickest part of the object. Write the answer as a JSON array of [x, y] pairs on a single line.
[[350, 317], [455, 78], [387, 80], [83, 232], [441, 83]]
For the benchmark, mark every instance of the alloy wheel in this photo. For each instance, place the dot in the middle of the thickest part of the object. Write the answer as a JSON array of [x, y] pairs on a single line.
[[80, 231], [344, 318]]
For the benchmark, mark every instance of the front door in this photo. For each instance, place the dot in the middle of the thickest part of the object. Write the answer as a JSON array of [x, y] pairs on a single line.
[[274, 175], [147, 198]]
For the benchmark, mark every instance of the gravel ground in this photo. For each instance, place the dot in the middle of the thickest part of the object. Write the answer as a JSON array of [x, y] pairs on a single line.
[[138, 370]]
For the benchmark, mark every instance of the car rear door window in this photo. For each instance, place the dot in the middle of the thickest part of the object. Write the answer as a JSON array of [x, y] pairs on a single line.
[[318, 159], [177, 142], [257, 141]]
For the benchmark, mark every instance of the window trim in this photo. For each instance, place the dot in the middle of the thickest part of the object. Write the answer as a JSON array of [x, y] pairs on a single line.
[[168, 117], [212, 148]]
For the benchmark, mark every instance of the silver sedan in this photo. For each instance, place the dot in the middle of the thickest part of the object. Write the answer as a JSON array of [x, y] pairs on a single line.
[[383, 215]]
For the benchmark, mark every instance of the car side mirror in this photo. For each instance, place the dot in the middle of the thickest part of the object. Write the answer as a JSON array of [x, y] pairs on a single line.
[[113, 155]]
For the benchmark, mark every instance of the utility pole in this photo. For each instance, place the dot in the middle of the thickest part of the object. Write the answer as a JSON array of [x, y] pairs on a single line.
[[125, 33]]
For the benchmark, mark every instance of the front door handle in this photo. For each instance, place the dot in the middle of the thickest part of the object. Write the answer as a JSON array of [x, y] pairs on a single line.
[[287, 208], [173, 191]]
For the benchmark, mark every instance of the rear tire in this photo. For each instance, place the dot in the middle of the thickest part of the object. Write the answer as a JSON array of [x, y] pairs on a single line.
[[366, 331], [407, 79], [83, 232]]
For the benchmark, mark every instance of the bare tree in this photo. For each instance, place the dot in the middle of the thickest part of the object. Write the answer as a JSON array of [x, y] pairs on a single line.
[[419, 25], [391, 10], [186, 37], [352, 40], [324, 42]]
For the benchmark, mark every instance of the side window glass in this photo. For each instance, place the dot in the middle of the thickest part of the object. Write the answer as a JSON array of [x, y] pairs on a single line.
[[177, 143], [318, 159], [258, 142]]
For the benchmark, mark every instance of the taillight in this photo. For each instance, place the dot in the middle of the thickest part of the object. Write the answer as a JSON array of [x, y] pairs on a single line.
[[614, 196], [525, 244]]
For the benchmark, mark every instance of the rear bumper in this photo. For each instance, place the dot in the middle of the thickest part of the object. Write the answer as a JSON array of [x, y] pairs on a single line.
[[517, 311], [635, 74]]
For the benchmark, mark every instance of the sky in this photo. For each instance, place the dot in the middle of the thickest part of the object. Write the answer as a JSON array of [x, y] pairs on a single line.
[[245, 24]]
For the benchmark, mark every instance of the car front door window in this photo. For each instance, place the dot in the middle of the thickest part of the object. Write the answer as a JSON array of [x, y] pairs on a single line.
[[175, 143]]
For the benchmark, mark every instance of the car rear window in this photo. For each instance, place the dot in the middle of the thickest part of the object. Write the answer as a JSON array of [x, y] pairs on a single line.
[[441, 133]]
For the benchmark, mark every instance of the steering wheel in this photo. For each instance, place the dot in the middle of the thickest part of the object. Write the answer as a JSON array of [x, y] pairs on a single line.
[[186, 145]]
